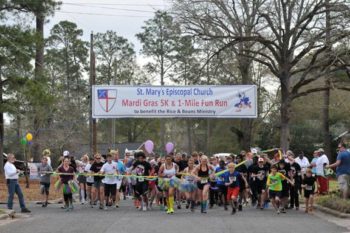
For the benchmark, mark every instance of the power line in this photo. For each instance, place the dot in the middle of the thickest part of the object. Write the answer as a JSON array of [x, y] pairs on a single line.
[[85, 13], [117, 4], [109, 8]]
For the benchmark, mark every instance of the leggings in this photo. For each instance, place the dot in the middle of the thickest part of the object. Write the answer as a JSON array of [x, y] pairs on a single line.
[[68, 197]]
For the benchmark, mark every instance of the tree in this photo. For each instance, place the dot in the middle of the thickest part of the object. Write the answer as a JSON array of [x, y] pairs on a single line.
[[159, 41], [290, 31], [16, 48]]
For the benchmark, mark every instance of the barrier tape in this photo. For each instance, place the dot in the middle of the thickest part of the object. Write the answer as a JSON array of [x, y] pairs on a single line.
[[152, 178]]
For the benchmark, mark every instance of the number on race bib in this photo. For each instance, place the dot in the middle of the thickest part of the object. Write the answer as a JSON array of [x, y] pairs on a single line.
[[204, 181], [141, 179]]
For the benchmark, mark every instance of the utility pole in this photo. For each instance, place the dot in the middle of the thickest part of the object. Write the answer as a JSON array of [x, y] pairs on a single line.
[[92, 121]]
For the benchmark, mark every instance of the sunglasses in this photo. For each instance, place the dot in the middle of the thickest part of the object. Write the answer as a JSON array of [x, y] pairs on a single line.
[[98, 158]]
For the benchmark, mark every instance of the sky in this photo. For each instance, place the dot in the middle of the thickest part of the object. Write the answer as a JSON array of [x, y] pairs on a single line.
[[126, 17]]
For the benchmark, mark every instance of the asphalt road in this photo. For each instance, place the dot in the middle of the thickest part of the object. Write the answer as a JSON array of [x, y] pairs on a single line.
[[127, 219]]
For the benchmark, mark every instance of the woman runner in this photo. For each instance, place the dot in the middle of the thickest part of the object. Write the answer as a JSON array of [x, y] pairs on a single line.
[[201, 172], [189, 186]]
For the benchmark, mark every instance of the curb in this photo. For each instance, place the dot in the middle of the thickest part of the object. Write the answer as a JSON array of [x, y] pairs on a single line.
[[335, 213], [4, 216]]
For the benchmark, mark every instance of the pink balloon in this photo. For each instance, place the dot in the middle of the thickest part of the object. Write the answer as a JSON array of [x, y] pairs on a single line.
[[169, 147], [149, 146]]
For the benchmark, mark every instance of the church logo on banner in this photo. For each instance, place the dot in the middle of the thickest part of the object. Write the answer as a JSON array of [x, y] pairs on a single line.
[[107, 98]]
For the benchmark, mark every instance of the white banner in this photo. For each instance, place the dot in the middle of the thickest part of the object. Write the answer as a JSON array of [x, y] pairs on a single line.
[[33, 167], [174, 101]]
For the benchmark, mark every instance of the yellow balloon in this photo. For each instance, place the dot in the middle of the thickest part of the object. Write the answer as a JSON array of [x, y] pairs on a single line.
[[29, 137]]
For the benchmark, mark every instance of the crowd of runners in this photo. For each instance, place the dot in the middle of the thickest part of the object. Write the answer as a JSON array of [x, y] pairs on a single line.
[[192, 182]]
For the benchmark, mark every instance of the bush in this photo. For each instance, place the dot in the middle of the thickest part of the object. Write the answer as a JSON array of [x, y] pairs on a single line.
[[334, 202]]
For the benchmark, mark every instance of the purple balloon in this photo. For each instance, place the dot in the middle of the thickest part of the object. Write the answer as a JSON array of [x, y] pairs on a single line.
[[169, 147], [30, 143], [149, 146]]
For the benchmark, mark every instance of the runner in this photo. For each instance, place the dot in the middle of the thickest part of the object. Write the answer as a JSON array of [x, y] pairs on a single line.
[[110, 181], [44, 170], [284, 169], [189, 186], [66, 181], [308, 185], [89, 181], [259, 175], [202, 172], [142, 168], [98, 185], [243, 193], [221, 184], [232, 181], [152, 184], [295, 176], [169, 181], [82, 178], [274, 183], [121, 169]]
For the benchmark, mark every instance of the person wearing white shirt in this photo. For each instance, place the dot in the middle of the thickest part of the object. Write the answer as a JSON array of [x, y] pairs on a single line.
[[110, 181], [321, 162], [11, 174], [303, 163]]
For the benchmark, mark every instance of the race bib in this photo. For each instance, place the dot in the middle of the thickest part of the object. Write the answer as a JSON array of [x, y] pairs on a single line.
[[308, 188], [232, 179], [204, 181], [141, 179]]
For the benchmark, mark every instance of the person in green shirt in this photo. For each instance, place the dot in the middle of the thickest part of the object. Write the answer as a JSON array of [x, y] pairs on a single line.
[[274, 183]]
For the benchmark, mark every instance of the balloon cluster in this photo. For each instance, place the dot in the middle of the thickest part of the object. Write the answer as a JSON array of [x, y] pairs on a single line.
[[149, 146], [27, 139]]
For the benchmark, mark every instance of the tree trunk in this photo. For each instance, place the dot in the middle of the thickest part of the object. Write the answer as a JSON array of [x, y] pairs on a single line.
[[39, 64], [326, 93], [189, 135], [285, 112], [2, 131]]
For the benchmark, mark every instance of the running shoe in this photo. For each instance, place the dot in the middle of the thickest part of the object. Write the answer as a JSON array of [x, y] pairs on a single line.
[[240, 208], [144, 208], [233, 211]]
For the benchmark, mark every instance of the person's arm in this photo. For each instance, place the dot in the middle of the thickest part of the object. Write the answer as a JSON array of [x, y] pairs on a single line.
[[161, 170], [287, 179], [195, 172], [336, 164], [268, 182]]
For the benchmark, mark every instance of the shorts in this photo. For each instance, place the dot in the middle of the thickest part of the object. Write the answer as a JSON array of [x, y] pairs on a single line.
[[119, 184], [81, 179], [285, 190], [141, 188], [308, 193], [110, 190], [98, 184], [344, 183], [201, 186], [89, 184], [273, 194], [232, 192], [44, 188], [260, 186]]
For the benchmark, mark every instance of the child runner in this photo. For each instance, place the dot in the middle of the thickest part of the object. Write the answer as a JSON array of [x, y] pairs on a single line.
[[295, 175], [98, 186], [44, 170], [189, 185], [243, 170], [308, 185], [202, 172], [142, 168], [274, 183], [232, 181], [167, 173], [110, 180], [65, 179]]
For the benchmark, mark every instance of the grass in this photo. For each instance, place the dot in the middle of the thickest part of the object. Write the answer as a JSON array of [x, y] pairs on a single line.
[[2, 211], [334, 202]]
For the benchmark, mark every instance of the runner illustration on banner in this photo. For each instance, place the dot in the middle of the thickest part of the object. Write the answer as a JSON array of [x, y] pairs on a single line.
[[244, 102]]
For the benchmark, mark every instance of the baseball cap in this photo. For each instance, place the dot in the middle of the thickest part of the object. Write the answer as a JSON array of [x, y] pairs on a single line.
[[320, 150], [65, 153], [261, 160]]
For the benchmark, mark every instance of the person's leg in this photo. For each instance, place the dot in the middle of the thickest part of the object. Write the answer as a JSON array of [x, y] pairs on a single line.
[[66, 201], [19, 193], [211, 198], [82, 193], [205, 196], [47, 192], [171, 199], [70, 200], [292, 196], [11, 187], [297, 198], [311, 203]]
